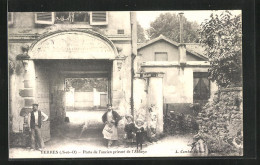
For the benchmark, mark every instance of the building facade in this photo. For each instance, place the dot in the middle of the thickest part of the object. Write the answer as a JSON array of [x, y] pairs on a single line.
[[85, 60], [172, 76], [66, 60]]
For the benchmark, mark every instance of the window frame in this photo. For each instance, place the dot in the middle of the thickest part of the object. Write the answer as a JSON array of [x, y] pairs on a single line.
[[200, 75], [155, 53]]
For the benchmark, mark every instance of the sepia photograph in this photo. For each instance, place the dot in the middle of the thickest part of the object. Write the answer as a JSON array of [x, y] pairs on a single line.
[[104, 84]]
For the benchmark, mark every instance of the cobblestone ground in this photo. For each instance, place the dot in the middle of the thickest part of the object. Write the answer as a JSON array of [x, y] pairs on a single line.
[[92, 144]]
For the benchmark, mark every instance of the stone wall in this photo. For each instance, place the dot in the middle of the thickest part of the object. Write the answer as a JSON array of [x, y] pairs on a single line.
[[25, 32], [221, 122]]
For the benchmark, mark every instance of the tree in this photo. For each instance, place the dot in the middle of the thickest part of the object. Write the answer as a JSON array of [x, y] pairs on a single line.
[[140, 34], [222, 38], [168, 25]]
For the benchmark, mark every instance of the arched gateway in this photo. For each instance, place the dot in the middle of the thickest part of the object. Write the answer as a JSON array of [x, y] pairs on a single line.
[[73, 45], [68, 71]]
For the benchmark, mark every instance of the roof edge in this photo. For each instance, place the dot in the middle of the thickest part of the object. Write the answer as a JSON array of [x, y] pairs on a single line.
[[162, 37]]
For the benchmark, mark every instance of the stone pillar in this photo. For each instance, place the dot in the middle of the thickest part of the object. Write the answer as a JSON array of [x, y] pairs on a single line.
[[155, 97], [28, 92], [213, 90], [118, 97], [116, 85], [140, 96]]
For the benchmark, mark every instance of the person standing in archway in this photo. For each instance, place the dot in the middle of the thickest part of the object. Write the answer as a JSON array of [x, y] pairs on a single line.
[[111, 119]]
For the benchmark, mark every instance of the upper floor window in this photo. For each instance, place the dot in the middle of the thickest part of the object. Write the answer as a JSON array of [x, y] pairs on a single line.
[[161, 56], [92, 18], [69, 17], [10, 18]]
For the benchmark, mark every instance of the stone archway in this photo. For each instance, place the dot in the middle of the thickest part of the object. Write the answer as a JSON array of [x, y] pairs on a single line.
[[62, 45], [73, 45]]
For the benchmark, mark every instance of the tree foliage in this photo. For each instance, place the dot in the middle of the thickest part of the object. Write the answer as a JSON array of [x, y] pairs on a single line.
[[168, 25], [222, 37], [140, 34]]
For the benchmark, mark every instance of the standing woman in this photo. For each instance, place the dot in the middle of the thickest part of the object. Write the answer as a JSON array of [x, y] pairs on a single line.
[[111, 119]]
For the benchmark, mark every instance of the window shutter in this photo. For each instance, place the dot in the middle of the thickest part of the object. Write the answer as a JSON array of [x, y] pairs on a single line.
[[44, 18], [98, 18], [10, 18]]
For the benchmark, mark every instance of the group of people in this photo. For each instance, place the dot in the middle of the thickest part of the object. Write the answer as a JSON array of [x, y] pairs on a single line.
[[132, 130]]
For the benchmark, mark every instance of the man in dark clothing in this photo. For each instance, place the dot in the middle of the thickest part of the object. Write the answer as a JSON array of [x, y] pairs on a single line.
[[35, 122]]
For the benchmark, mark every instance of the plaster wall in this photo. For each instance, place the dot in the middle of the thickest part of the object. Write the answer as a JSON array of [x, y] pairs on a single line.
[[177, 83], [155, 97], [16, 79], [24, 22], [42, 96], [140, 96]]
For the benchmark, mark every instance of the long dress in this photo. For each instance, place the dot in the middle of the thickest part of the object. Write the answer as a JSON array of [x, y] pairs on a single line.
[[110, 130]]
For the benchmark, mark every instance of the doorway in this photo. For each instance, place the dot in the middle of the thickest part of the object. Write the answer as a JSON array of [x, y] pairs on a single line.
[[78, 90]]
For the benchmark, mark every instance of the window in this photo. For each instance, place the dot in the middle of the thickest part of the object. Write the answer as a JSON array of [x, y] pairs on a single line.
[[120, 31], [161, 56], [10, 18], [201, 87], [71, 17], [92, 18], [44, 18], [98, 18], [81, 17], [62, 17]]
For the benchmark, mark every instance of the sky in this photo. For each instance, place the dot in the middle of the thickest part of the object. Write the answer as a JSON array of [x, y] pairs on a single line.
[[146, 17]]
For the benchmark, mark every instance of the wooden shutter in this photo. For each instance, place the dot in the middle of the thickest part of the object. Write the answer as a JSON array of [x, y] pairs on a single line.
[[10, 18], [98, 18], [44, 18]]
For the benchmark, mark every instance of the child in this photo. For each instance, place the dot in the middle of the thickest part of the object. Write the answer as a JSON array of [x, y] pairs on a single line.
[[139, 133], [129, 129]]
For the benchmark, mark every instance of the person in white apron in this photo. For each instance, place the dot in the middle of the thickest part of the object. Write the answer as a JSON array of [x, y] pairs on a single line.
[[111, 119]]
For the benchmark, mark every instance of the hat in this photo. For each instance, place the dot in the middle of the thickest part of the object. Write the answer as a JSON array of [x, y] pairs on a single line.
[[139, 120], [130, 116]]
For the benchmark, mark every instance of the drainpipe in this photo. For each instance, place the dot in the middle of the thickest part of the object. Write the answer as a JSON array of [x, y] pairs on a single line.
[[181, 27], [182, 46], [133, 55]]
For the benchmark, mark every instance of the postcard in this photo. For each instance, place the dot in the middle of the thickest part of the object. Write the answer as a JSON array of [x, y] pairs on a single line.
[[106, 84]]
